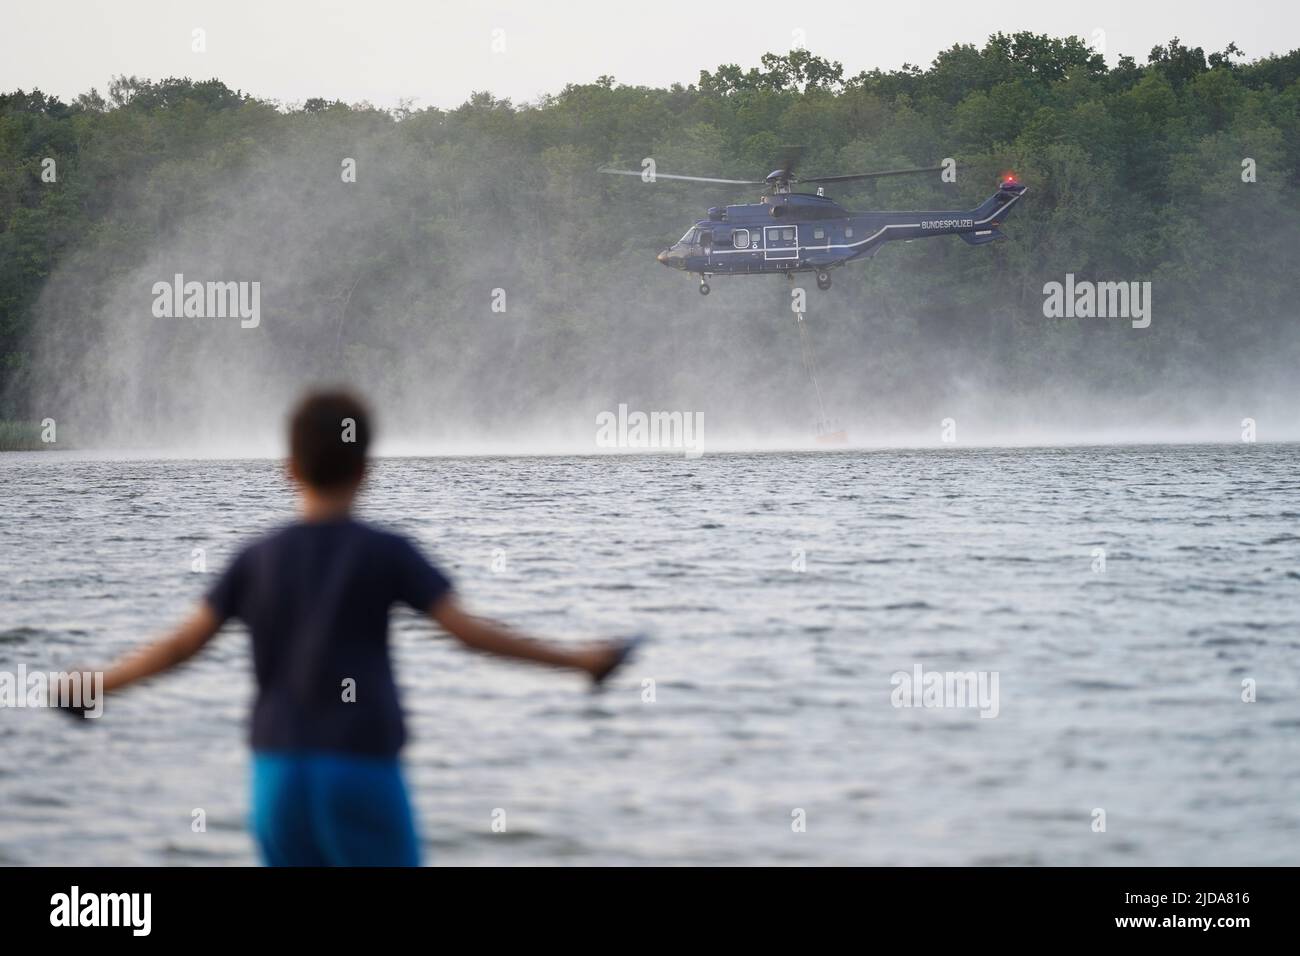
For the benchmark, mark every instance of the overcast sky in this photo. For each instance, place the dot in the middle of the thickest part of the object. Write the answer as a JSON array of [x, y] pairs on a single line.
[[437, 52]]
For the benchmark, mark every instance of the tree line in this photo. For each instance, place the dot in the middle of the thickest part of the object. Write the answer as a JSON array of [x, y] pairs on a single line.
[[1181, 171]]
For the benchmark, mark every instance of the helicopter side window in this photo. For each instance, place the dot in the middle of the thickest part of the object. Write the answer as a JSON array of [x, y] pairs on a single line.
[[819, 233], [706, 240], [788, 234], [848, 232], [740, 238]]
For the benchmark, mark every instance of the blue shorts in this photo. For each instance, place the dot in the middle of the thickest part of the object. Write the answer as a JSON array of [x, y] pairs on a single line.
[[331, 809]]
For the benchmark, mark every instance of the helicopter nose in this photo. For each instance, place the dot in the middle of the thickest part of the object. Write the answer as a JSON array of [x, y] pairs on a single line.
[[663, 257]]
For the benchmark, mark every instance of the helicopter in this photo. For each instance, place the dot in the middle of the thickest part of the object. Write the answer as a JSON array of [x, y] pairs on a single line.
[[788, 232]]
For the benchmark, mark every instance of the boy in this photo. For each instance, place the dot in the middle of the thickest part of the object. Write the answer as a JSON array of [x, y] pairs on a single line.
[[315, 595]]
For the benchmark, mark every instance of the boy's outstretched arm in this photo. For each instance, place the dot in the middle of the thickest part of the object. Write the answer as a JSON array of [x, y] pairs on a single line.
[[178, 646], [492, 638]]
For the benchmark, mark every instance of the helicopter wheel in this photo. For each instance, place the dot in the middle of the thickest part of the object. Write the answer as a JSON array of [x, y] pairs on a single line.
[[704, 287], [823, 280]]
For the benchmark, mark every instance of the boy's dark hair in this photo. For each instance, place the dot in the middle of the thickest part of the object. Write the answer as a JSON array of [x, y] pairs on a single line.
[[328, 437]]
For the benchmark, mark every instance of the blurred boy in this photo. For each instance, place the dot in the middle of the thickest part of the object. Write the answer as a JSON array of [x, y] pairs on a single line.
[[315, 595]]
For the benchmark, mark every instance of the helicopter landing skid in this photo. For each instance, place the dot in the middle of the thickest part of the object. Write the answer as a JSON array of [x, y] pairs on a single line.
[[823, 280]]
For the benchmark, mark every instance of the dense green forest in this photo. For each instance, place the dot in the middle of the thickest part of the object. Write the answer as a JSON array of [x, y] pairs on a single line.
[[1135, 173]]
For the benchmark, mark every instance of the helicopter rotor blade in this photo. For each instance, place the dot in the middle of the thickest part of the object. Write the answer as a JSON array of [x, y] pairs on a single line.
[[854, 176], [689, 179]]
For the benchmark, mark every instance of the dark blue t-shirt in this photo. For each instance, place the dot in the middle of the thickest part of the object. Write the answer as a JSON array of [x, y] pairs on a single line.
[[315, 597]]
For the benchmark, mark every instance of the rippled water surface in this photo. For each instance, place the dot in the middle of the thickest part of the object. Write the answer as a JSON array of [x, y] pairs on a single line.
[[1119, 689]]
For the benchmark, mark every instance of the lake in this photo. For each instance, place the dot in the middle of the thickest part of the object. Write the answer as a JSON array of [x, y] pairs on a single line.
[[1125, 618]]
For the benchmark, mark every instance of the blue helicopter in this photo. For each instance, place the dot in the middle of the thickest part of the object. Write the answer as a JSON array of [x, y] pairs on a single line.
[[788, 232]]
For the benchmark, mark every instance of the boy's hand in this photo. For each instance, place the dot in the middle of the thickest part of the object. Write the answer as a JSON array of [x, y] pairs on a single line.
[[602, 660], [67, 708], [75, 712]]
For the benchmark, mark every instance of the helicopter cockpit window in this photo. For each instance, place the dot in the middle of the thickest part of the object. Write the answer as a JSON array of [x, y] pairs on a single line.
[[687, 239]]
